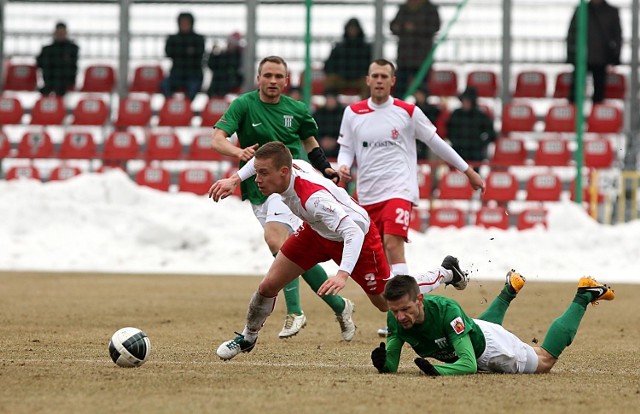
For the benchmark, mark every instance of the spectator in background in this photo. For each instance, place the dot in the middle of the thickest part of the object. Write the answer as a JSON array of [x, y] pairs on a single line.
[[186, 50], [416, 24], [59, 63], [347, 65], [432, 112], [295, 93], [328, 117], [226, 66], [470, 129], [604, 41]]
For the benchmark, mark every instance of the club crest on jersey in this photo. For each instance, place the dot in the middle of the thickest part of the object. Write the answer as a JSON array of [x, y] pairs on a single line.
[[288, 119], [458, 325], [395, 133]]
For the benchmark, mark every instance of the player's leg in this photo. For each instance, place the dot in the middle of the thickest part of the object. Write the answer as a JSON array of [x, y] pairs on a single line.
[[498, 308], [563, 329]]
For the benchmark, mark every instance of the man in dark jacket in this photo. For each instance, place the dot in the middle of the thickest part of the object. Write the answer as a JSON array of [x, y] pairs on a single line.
[[604, 41], [186, 50], [329, 117], [226, 66], [59, 63], [416, 24]]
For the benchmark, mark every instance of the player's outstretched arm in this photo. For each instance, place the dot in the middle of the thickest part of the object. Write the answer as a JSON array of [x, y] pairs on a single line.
[[224, 188], [334, 284], [476, 182]]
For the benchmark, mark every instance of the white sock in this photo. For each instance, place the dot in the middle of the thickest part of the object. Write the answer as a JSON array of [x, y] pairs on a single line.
[[433, 278], [399, 269], [260, 308]]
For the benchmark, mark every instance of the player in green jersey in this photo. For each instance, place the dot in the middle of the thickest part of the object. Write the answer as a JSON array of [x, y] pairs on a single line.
[[266, 115], [437, 327]]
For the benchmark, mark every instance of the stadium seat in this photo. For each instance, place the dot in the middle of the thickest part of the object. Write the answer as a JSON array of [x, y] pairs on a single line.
[[22, 172], [544, 187], [615, 86], [424, 185], [77, 145], [147, 78], [485, 82], [441, 122], [532, 217], [133, 111], [501, 186], [416, 219], [560, 118], [154, 177], [586, 191], [213, 111], [35, 144], [20, 77], [176, 111], [446, 217], [201, 150], [195, 180], [90, 110], [598, 153], [531, 84], [48, 110], [120, 146], [318, 79], [442, 83], [99, 78], [489, 217], [518, 116], [163, 146], [5, 145], [10, 111], [605, 118], [64, 172], [508, 152], [563, 85], [552, 152], [454, 185]]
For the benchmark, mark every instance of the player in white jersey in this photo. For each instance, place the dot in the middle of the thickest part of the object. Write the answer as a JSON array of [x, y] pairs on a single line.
[[380, 133]]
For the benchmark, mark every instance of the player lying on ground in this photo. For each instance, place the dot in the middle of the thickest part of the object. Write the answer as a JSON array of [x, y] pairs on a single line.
[[437, 327]]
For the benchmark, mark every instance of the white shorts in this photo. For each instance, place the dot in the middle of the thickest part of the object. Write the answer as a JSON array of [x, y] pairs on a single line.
[[505, 352], [274, 210]]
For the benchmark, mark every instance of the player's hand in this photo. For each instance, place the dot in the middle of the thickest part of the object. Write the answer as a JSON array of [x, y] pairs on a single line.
[[476, 182], [334, 284], [248, 153], [345, 173], [379, 357], [426, 367], [222, 189]]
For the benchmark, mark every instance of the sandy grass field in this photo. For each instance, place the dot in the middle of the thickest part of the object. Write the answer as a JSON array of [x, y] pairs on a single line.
[[54, 331]]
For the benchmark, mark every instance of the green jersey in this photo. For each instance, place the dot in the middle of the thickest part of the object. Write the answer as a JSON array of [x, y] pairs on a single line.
[[445, 323], [257, 122]]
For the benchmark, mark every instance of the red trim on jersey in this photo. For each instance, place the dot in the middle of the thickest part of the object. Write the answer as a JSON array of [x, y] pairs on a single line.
[[361, 108], [305, 189], [438, 279], [404, 105]]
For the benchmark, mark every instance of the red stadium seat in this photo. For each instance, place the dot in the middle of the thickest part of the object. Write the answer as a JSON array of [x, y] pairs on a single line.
[[553, 152], [201, 150], [22, 172], [10, 111], [48, 110], [147, 78], [454, 185], [501, 186], [509, 151], [605, 118], [416, 219], [213, 111], [195, 180], [163, 146], [598, 153], [615, 86], [120, 146], [531, 84], [424, 185], [5, 145], [99, 78], [493, 217], [446, 217], [442, 83], [518, 116], [318, 79], [64, 172], [586, 191], [441, 122], [133, 111], [563, 85], [20, 77], [544, 187], [176, 111], [560, 118], [90, 110], [77, 145], [485, 82], [154, 177], [532, 217], [35, 144]]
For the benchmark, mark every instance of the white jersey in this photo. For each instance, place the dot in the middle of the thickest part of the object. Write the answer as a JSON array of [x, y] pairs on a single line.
[[383, 139]]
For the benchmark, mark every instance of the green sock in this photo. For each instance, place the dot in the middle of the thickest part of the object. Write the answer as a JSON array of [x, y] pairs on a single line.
[[292, 296], [498, 308], [315, 277], [563, 329]]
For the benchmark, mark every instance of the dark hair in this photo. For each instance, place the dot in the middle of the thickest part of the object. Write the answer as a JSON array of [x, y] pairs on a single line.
[[385, 62], [186, 15], [355, 23], [61, 25], [401, 285], [277, 152], [273, 59]]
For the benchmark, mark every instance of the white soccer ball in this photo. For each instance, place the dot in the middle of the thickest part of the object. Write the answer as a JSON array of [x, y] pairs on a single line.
[[129, 347]]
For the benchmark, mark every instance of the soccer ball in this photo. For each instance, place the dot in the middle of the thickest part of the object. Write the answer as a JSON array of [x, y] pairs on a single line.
[[129, 347]]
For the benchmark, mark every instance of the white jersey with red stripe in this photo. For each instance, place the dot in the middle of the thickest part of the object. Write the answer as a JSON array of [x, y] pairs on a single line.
[[383, 139]]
